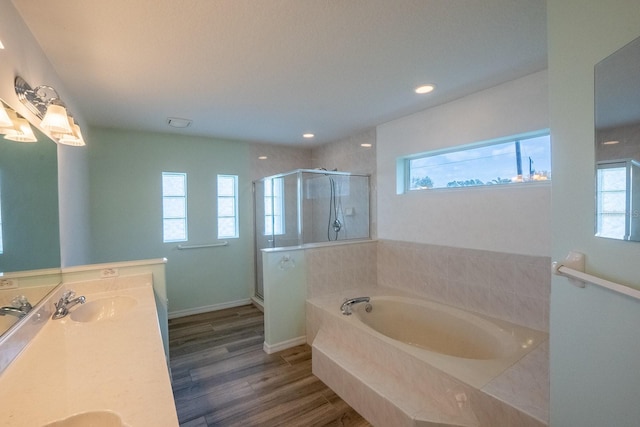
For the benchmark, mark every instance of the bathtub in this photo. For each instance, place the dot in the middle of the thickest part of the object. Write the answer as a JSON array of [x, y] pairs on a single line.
[[417, 360], [468, 346]]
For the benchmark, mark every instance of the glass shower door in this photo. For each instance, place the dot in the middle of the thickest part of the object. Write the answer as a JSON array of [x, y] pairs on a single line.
[[262, 239], [271, 219]]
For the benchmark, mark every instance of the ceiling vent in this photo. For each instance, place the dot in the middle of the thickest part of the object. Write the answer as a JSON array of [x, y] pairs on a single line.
[[176, 122]]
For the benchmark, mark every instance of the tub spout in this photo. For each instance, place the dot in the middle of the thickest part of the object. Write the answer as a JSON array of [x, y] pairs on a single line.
[[345, 308]]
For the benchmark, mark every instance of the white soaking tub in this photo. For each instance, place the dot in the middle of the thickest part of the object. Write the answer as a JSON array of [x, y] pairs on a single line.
[[401, 360]]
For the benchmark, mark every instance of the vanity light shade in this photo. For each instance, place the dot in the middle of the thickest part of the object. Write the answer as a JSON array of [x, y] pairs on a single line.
[[13, 116], [5, 120], [74, 138], [56, 120], [21, 132]]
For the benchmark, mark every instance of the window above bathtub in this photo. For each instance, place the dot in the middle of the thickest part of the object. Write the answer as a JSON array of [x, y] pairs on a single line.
[[511, 160]]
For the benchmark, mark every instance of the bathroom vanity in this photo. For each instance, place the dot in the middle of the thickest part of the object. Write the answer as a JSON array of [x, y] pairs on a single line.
[[103, 362]]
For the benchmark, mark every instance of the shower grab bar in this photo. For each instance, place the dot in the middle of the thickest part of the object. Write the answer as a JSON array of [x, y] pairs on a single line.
[[208, 245], [580, 279]]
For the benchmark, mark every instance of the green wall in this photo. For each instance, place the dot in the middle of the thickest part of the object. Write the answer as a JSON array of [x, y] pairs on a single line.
[[594, 333], [29, 194], [126, 212]]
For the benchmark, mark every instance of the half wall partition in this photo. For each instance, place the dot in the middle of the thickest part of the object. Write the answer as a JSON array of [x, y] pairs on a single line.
[[307, 206]]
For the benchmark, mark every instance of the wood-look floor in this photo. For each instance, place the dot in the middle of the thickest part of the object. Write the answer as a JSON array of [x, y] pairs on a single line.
[[222, 377]]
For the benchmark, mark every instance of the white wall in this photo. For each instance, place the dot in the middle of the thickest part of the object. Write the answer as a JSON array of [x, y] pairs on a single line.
[[505, 219], [285, 290], [23, 56], [348, 155], [595, 373]]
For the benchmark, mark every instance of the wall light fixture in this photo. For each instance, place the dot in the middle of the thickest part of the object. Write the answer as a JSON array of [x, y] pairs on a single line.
[[15, 127], [5, 120], [45, 103]]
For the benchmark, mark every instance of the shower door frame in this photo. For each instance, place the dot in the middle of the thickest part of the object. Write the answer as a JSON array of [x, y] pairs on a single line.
[[300, 216]]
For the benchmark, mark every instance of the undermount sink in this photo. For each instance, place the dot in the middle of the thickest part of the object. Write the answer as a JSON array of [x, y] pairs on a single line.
[[102, 309], [93, 419]]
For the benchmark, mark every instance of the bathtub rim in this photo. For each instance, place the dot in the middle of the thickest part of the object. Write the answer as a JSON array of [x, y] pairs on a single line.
[[476, 373]]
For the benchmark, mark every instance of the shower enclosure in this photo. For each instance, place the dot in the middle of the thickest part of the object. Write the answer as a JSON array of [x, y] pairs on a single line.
[[308, 206]]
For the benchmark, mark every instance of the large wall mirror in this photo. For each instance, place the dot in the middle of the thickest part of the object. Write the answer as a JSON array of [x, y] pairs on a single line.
[[29, 238], [617, 121]]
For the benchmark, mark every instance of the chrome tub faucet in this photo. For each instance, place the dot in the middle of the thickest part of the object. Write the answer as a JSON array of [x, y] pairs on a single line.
[[65, 303], [345, 308]]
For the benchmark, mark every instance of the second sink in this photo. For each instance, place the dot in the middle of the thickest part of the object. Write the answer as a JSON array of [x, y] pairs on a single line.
[[103, 308], [93, 419]]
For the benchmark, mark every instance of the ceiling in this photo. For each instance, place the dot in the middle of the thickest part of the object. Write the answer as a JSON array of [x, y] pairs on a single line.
[[271, 70]]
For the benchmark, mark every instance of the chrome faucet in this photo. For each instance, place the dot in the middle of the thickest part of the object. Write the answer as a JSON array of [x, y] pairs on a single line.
[[12, 311], [65, 303], [346, 305], [20, 306]]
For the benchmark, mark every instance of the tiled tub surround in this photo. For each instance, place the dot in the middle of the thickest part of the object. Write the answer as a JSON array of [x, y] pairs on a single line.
[[115, 364], [337, 266], [510, 287], [392, 386]]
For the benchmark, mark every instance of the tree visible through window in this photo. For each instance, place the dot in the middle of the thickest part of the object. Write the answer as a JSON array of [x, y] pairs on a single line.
[[510, 160]]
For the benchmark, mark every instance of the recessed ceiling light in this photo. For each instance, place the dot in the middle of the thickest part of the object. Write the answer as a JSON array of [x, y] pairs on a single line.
[[611, 142], [366, 145], [1, 45], [262, 157], [308, 135], [179, 123], [425, 89]]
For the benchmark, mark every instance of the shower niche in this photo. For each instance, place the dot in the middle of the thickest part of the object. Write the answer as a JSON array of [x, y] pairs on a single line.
[[307, 206]]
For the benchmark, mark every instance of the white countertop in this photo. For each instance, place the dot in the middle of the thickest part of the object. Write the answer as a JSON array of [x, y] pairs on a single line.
[[115, 364]]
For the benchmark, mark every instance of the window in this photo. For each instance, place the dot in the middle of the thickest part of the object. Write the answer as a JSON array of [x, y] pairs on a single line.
[[611, 201], [227, 206], [617, 198], [274, 206], [505, 161], [174, 207]]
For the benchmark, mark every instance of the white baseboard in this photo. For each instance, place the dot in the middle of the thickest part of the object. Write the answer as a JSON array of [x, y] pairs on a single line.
[[208, 308], [273, 348], [258, 303]]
